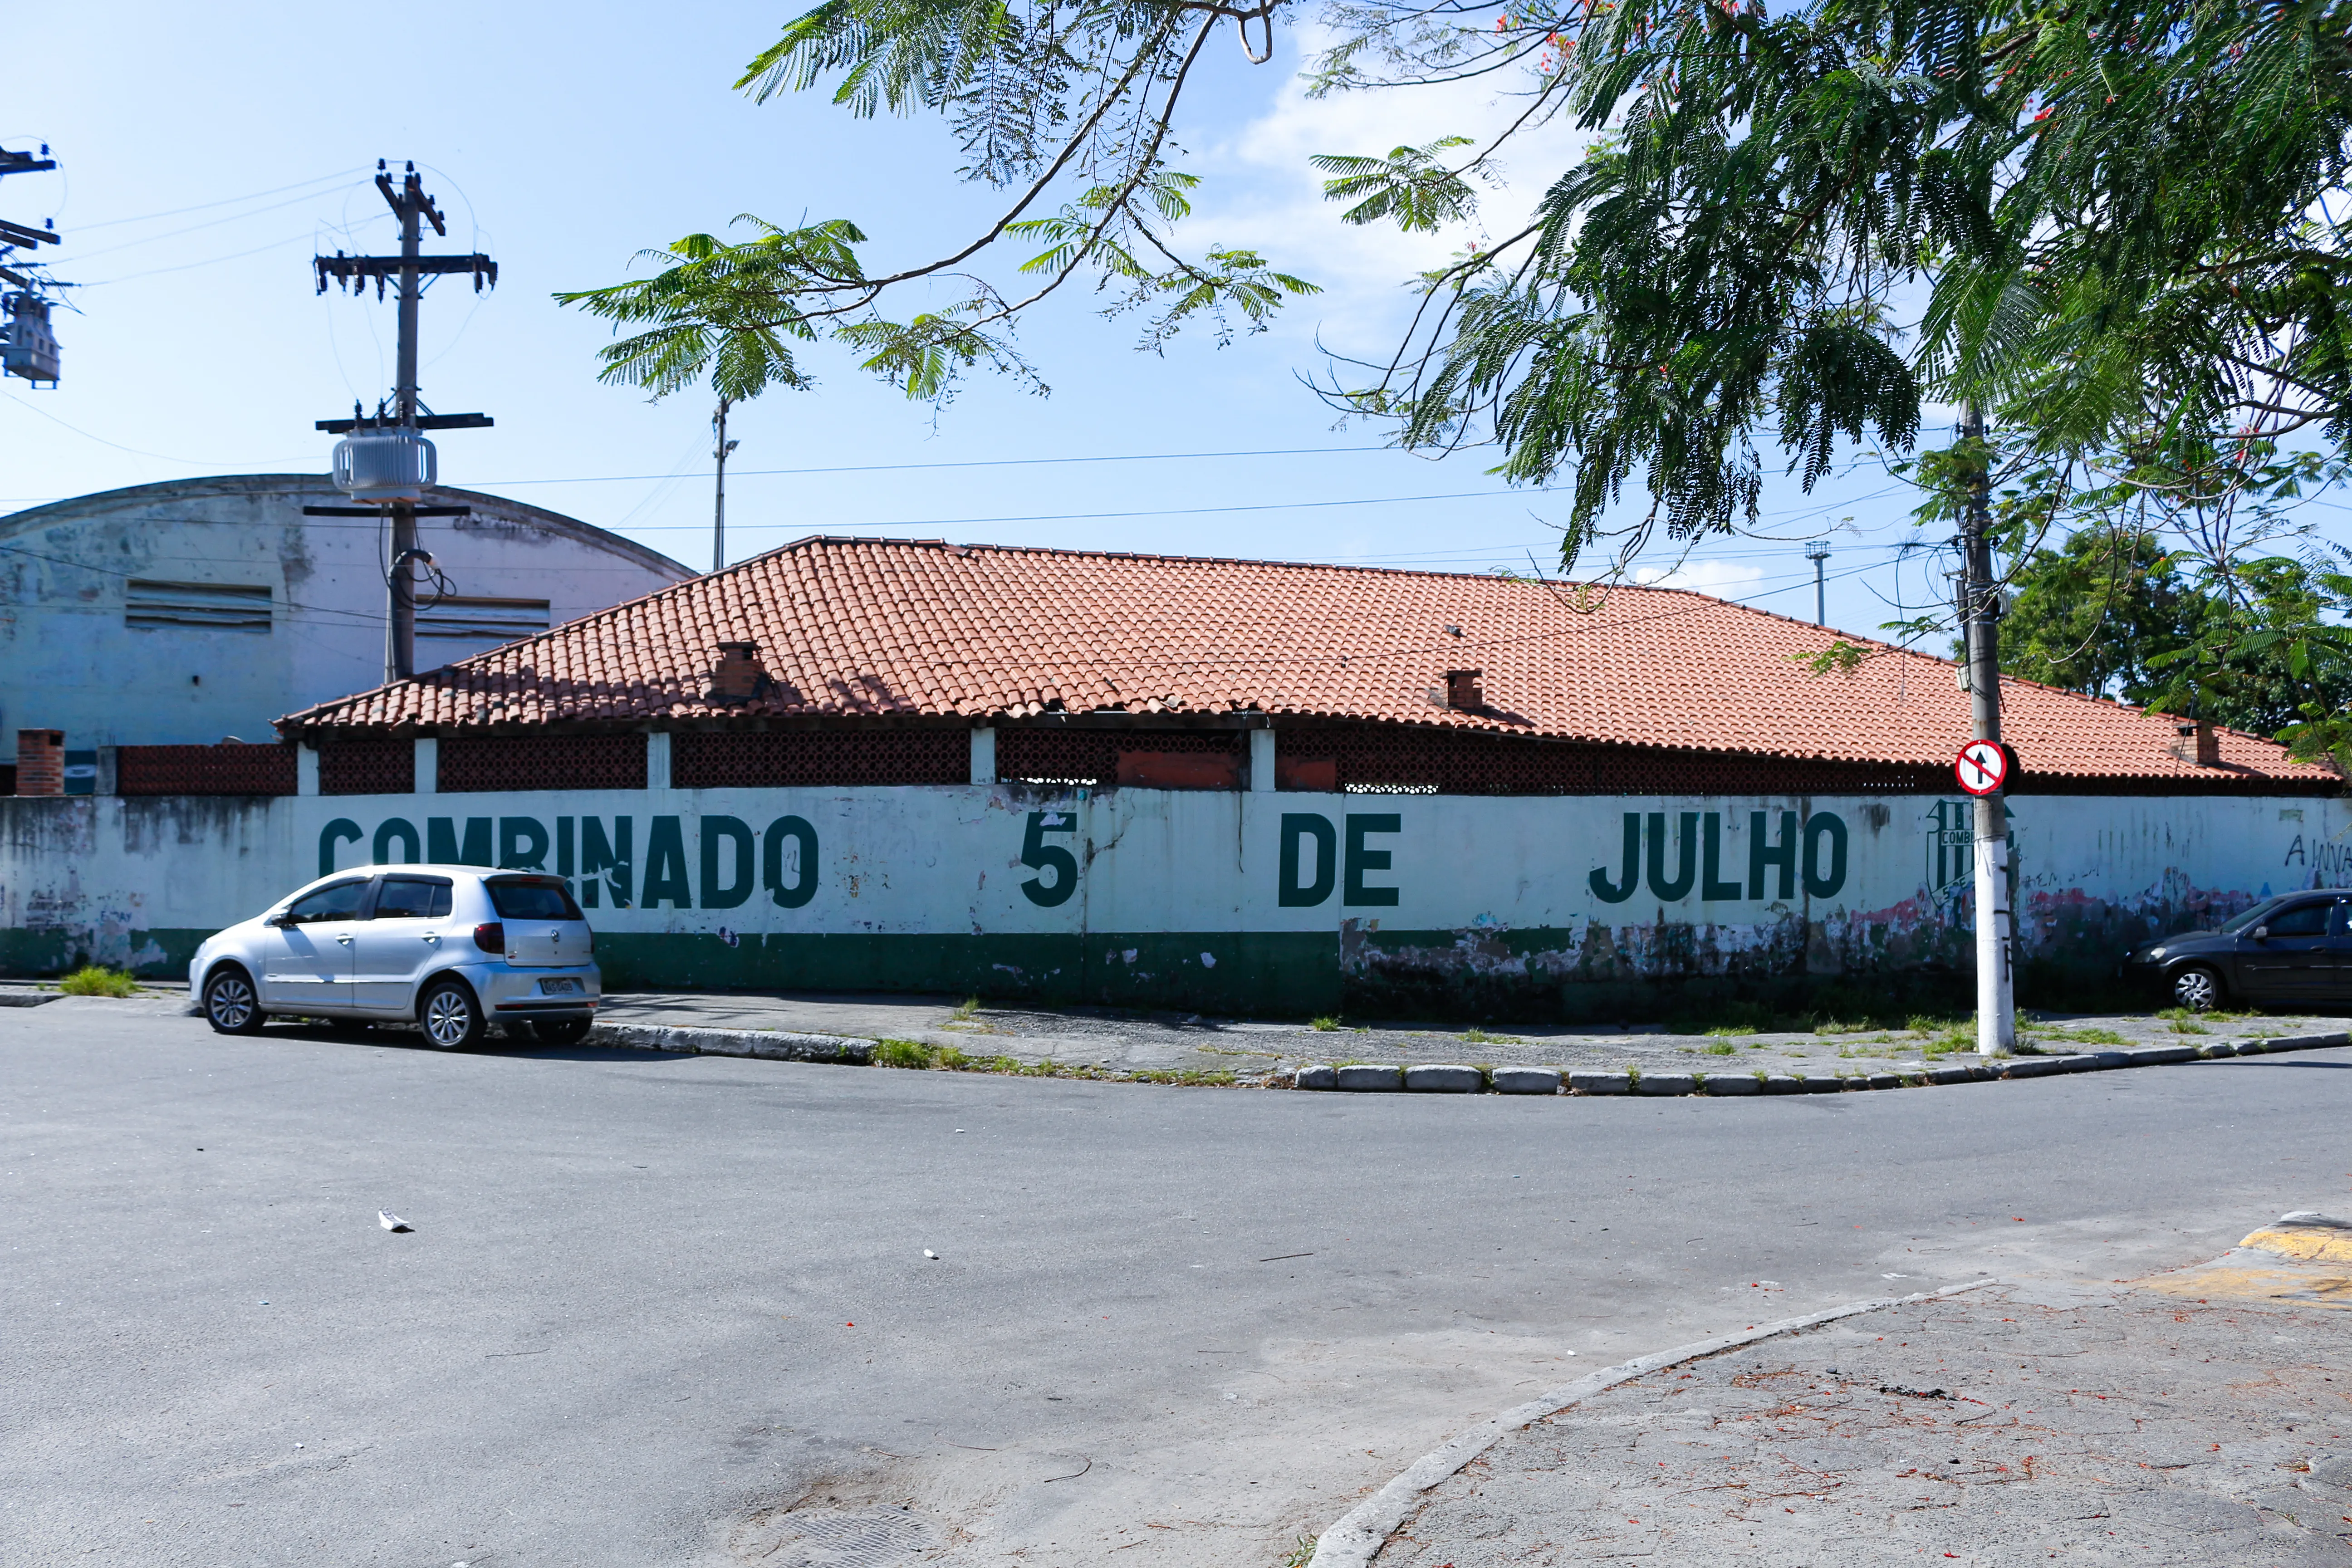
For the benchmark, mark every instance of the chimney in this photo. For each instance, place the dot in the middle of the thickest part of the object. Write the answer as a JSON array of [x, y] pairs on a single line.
[[1462, 691], [738, 676], [40, 762], [2198, 744]]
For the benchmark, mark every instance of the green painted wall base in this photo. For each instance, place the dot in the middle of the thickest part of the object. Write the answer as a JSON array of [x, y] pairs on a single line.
[[1274, 974]]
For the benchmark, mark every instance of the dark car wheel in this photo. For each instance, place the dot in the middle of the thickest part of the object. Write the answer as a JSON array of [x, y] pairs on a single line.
[[2197, 988], [231, 1005], [560, 1031], [451, 1016]]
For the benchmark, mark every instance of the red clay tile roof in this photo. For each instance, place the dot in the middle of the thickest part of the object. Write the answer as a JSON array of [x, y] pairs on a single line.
[[872, 627]]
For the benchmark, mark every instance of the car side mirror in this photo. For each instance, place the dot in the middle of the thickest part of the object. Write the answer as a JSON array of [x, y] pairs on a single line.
[[2260, 934], [280, 919]]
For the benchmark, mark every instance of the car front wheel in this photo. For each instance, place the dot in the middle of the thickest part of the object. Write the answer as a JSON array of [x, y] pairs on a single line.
[[231, 1005], [2197, 988], [450, 1017]]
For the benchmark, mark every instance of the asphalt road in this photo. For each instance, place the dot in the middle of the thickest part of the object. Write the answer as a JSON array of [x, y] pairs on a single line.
[[651, 1300]]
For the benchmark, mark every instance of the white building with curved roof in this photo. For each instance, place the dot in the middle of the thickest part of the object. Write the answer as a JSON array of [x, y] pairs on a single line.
[[199, 609]]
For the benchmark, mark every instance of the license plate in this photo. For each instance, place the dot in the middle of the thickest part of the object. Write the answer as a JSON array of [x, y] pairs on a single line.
[[559, 988]]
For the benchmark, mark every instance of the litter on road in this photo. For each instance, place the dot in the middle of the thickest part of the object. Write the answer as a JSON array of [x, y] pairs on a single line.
[[390, 1221]]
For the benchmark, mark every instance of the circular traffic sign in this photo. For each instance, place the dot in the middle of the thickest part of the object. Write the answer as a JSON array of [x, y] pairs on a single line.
[[1982, 766]]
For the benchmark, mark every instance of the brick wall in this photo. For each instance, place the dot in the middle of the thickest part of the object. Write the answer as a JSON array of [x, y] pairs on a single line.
[[40, 762]]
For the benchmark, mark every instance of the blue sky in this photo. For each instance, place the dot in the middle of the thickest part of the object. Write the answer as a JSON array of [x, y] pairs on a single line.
[[205, 160]]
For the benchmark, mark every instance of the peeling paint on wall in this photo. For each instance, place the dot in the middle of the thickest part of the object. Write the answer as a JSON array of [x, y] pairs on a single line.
[[1558, 906]]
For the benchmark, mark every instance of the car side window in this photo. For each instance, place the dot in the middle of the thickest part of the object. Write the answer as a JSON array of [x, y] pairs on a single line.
[[338, 902], [2340, 921], [410, 899], [2304, 920]]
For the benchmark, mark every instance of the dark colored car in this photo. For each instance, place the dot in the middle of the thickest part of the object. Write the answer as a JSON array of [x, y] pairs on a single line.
[[2294, 950]]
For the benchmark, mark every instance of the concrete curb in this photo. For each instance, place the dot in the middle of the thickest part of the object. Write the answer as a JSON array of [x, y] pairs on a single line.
[[774, 1044], [1360, 1534], [1361, 1077]]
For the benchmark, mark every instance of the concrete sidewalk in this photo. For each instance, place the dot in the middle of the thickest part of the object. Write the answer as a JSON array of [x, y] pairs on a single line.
[[1255, 1050], [2197, 1417]]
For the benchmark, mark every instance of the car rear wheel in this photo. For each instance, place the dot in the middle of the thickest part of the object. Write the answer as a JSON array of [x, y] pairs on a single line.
[[2197, 988], [450, 1017], [231, 1005]]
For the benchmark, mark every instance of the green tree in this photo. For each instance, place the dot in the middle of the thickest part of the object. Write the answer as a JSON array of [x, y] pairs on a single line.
[[2113, 224], [2090, 615]]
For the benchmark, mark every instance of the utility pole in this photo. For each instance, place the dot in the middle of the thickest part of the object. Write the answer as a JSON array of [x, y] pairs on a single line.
[[26, 346], [719, 513], [1981, 610], [399, 472], [1818, 551]]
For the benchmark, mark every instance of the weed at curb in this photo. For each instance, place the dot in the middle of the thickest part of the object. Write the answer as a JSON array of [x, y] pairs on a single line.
[[1478, 1037], [1302, 1554], [97, 980], [1721, 1049], [1324, 1024]]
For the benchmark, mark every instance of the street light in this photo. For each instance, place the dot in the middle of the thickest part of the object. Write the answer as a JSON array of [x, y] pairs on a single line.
[[1817, 551]]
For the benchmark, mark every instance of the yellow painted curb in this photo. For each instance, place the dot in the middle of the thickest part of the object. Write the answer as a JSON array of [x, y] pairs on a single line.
[[2313, 1244], [2225, 1283]]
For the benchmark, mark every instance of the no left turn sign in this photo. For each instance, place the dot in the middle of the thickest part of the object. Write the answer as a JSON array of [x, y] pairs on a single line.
[[1982, 766]]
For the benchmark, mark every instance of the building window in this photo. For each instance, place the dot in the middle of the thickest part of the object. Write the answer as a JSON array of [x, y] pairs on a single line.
[[480, 619], [223, 606]]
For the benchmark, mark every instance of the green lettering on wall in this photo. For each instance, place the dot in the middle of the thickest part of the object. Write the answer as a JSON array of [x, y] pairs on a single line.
[[441, 847], [611, 857], [522, 844], [1824, 827], [1617, 891], [412, 849], [713, 832], [1298, 827], [1039, 855], [793, 892], [1711, 885], [664, 880], [565, 861], [1668, 888], [341, 830], [1760, 855], [1361, 860]]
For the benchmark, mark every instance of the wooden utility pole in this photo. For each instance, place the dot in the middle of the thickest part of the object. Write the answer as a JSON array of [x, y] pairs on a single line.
[[1980, 611]]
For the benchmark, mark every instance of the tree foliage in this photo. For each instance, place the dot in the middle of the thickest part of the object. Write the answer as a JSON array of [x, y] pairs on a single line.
[[2115, 225]]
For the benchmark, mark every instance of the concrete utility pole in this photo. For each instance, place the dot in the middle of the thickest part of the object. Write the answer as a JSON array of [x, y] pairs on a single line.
[[1818, 552], [1981, 610], [719, 512], [413, 208]]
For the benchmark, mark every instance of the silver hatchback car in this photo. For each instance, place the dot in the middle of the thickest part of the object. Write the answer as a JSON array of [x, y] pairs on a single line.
[[451, 949]]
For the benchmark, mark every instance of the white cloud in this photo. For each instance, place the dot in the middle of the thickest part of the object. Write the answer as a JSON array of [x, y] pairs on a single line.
[[1724, 579], [1263, 193]]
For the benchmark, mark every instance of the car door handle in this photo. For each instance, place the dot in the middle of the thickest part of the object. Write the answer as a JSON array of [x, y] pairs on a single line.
[[344, 940], [432, 939]]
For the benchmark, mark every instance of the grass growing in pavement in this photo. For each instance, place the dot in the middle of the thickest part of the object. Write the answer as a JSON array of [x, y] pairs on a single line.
[[97, 980], [1721, 1049], [2085, 1037], [1324, 1024], [918, 1057], [1478, 1037], [966, 1011]]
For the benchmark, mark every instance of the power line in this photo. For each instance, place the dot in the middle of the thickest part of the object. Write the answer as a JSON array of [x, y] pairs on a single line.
[[226, 200]]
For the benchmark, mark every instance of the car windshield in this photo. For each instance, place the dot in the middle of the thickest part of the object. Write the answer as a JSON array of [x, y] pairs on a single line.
[[537, 898], [2253, 917]]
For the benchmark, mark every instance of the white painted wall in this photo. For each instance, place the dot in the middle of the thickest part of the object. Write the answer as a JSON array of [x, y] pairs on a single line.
[[975, 859], [68, 661]]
